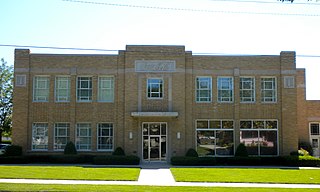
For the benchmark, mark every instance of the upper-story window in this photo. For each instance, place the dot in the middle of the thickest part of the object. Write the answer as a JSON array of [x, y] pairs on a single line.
[[203, 89], [154, 88], [225, 89], [247, 89], [268, 89], [62, 91], [106, 89], [41, 88], [84, 89]]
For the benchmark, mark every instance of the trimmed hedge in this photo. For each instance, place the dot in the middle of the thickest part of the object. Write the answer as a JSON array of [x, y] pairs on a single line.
[[116, 160], [247, 161], [13, 150], [55, 159], [13, 160], [193, 161]]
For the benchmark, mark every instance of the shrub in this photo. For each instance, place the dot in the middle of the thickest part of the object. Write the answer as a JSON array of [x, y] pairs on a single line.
[[192, 153], [119, 151], [116, 160], [306, 146], [70, 149], [13, 150], [241, 151], [300, 152]]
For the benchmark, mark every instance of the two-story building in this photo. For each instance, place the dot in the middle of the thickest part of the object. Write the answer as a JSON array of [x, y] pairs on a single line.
[[158, 101]]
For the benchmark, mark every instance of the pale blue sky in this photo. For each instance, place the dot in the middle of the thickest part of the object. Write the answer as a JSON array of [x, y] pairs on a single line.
[[203, 26]]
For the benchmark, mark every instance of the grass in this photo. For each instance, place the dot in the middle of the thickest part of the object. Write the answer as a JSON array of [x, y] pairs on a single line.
[[246, 175], [125, 188], [69, 172]]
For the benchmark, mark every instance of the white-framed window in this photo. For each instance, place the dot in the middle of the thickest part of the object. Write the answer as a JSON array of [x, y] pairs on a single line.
[[260, 136], [155, 88], [40, 136], [314, 129], [215, 137], [61, 135], [83, 139], [268, 89], [105, 136], [247, 89], [225, 89], [203, 89], [84, 89], [106, 89], [41, 88], [62, 89]]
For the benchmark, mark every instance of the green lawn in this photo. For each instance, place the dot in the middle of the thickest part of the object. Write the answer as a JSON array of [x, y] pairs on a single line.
[[125, 188], [246, 175], [69, 172]]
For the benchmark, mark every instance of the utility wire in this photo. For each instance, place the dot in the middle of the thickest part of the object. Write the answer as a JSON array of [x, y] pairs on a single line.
[[64, 48], [188, 9], [112, 50], [267, 2]]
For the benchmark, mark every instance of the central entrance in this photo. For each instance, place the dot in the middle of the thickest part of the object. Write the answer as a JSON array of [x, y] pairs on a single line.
[[154, 138]]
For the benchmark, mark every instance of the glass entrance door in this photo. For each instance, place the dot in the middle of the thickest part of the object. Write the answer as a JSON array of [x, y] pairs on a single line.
[[154, 145]]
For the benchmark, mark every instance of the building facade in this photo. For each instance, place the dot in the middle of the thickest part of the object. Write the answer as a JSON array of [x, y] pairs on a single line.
[[158, 101]]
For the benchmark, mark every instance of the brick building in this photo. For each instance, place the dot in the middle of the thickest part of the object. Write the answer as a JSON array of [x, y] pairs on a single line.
[[158, 101]]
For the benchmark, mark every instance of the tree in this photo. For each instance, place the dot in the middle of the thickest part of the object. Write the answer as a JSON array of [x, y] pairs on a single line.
[[6, 90]]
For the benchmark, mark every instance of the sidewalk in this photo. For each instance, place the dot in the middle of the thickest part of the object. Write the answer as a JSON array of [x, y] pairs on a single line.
[[158, 175]]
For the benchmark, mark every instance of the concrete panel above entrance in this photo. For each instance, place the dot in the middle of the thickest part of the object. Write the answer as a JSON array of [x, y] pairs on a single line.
[[154, 114]]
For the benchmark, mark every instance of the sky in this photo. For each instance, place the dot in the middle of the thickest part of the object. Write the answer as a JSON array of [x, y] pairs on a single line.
[[235, 27]]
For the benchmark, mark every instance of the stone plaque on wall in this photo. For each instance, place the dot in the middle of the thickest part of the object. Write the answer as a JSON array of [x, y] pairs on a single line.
[[155, 66]]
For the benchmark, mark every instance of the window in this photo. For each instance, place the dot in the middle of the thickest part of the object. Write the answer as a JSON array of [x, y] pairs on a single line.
[[41, 89], [314, 129], [40, 136], [289, 82], [84, 89], [204, 89], [83, 139], [155, 88], [247, 89], [105, 136], [260, 136], [106, 89], [215, 137], [61, 135], [268, 89], [62, 92], [20, 80], [225, 89]]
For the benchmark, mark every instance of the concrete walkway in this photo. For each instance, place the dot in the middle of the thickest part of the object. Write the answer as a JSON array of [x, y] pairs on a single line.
[[158, 175]]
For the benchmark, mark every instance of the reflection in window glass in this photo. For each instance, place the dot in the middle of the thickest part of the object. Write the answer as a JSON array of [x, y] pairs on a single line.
[[213, 140], [262, 138], [205, 143], [224, 142], [202, 124], [251, 140]]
